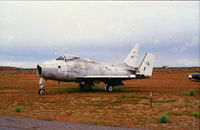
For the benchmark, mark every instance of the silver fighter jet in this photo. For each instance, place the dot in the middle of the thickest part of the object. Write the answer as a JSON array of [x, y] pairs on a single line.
[[86, 72]]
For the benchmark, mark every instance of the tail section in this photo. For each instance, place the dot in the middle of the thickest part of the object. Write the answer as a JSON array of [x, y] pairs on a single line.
[[146, 67], [132, 56]]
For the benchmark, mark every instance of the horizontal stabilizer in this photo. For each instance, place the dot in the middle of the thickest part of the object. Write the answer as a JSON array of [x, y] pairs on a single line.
[[146, 67]]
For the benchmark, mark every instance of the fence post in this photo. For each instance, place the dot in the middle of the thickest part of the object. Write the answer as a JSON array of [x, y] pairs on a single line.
[[150, 99]]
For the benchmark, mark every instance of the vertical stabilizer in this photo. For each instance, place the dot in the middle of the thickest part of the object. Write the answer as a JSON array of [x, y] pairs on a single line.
[[132, 56], [146, 67]]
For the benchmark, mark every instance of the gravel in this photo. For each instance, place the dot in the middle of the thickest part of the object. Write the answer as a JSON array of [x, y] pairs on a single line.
[[11, 123]]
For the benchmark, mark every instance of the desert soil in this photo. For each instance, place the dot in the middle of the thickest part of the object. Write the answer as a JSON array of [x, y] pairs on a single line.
[[128, 106]]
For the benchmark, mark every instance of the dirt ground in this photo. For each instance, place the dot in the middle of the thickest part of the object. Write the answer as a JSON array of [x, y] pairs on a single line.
[[128, 106]]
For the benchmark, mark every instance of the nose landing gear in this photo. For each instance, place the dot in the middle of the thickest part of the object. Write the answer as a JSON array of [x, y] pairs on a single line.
[[41, 90]]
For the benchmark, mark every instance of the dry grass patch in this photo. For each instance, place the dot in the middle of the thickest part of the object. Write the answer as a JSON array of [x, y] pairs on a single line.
[[128, 106]]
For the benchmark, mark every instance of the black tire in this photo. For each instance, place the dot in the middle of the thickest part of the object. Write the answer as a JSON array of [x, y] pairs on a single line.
[[110, 88], [41, 91]]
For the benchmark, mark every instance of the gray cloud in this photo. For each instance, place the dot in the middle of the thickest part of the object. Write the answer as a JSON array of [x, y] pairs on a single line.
[[104, 31]]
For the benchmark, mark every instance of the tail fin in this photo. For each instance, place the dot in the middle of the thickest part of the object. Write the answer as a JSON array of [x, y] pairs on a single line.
[[146, 67], [132, 56]]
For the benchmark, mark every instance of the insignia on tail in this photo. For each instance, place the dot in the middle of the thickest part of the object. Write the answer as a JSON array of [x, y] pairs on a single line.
[[146, 67], [132, 56]]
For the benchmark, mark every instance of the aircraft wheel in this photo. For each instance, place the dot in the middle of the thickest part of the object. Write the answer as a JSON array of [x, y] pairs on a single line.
[[41, 91], [110, 88]]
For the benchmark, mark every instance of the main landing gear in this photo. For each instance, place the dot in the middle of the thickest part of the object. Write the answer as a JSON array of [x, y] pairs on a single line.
[[108, 88], [86, 86], [41, 90]]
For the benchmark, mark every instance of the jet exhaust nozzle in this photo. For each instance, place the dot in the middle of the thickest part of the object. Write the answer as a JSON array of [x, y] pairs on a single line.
[[39, 70]]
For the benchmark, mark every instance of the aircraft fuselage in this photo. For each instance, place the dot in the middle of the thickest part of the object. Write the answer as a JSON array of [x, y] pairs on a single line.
[[73, 69]]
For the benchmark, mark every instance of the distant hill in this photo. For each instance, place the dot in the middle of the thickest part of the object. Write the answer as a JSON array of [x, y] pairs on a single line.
[[8, 68], [14, 68]]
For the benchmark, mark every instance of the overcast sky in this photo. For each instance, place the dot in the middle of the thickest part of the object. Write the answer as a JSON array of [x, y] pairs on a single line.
[[32, 32]]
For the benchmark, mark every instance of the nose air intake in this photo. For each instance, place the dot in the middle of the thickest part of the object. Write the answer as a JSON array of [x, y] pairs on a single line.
[[39, 70]]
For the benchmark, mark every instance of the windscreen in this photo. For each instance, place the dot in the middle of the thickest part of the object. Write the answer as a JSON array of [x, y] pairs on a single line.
[[60, 58]]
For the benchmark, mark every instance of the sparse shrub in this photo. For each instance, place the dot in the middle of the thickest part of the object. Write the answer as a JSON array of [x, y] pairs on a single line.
[[17, 109], [196, 114], [122, 96], [191, 92], [132, 94], [70, 112], [118, 101], [96, 103], [163, 118], [185, 93], [144, 97]]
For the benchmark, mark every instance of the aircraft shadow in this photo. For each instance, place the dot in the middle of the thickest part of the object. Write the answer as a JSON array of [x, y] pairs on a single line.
[[93, 90]]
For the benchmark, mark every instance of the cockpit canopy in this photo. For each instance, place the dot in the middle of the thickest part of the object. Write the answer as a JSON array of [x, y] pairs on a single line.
[[68, 57]]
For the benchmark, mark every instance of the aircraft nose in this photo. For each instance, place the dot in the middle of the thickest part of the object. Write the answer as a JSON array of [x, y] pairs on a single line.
[[190, 76], [39, 70]]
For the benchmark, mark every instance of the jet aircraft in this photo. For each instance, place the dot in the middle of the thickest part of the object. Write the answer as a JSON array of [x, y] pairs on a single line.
[[194, 77], [86, 72]]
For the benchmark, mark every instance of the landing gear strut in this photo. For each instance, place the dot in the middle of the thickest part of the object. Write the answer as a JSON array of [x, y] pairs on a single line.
[[41, 90]]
